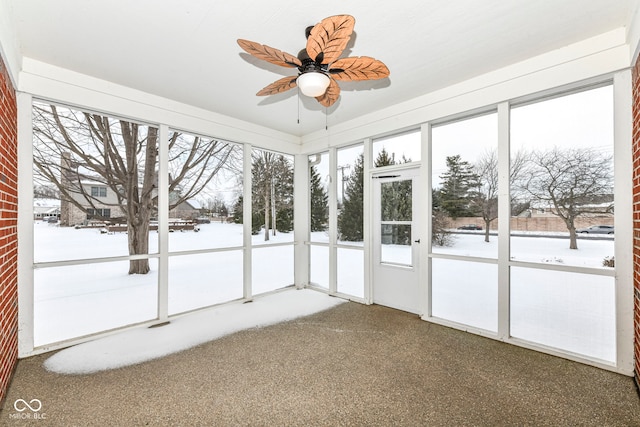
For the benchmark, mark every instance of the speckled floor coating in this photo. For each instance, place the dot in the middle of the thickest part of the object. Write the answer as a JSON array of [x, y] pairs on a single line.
[[352, 365]]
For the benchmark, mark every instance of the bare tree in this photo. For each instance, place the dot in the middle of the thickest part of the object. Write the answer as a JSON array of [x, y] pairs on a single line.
[[486, 168], [571, 182], [72, 147]]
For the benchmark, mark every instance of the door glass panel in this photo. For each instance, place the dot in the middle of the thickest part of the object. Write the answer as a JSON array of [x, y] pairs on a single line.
[[395, 222], [395, 245], [396, 200]]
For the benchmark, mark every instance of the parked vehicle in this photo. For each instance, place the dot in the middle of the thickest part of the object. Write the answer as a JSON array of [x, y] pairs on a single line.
[[470, 227], [596, 229]]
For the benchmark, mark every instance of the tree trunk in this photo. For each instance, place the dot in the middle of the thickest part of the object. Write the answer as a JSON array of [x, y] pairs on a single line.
[[138, 235], [267, 214], [139, 196], [486, 230], [273, 208], [573, 241]]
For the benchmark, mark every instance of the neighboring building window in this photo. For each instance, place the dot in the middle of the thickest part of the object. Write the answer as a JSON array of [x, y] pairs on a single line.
[[98, 191], [98, 213]]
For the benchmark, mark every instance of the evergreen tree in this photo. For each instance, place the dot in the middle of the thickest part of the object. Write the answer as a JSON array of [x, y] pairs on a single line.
[[396, 199], [238, 209], [350, 219], [459, 188], [319, 202], [384, 159]]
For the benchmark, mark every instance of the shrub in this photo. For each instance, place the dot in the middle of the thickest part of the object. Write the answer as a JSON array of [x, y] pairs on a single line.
[[609, 261]]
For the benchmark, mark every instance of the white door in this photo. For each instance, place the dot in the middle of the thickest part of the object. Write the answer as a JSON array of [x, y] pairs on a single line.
[[396, 250]]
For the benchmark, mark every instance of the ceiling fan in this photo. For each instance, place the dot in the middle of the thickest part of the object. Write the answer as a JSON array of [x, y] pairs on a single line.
[[319, 64]]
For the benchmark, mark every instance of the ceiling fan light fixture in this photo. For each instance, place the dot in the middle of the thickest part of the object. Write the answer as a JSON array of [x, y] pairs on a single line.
[[313, 83]]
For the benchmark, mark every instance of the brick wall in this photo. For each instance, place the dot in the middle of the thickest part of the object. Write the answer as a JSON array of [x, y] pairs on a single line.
[[8, 231], [636, 214]]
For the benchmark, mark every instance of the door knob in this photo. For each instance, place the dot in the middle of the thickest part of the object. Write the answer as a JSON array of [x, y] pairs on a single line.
[[417, 241]]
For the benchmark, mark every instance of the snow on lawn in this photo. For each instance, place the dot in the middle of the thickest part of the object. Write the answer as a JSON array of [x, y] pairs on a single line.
[[533, 248], [570, 311], [142, 344]]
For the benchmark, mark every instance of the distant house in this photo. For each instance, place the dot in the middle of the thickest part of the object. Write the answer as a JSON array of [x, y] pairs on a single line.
[[45, 208], [91, 201], [189, 209]]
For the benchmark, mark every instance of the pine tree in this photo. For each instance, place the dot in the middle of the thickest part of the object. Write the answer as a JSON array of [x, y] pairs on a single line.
[[319, 202], [350, 219], [459, 188], [384, 159], [238, 209], [396, 199]]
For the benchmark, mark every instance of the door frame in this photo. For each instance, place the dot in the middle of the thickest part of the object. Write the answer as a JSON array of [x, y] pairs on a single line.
[[382, 272]]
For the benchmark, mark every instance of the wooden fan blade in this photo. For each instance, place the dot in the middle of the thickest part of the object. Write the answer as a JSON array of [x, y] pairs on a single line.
[[269, 54], [282, 85], [329, 38], [331, 95], [358, 68]]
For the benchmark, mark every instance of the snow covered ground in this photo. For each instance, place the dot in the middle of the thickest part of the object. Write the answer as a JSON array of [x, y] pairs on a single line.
[[138, 345], [570, 311]]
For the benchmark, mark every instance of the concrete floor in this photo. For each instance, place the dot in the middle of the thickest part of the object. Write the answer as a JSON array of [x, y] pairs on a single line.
[[353, 365]]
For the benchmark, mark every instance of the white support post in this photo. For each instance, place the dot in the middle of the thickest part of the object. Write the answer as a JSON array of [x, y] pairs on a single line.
[[504, 217], [246, 222], [301, 220], [25, 227], [623, 220], [367, 227], [425, 221], [163, 223], [333, 220]]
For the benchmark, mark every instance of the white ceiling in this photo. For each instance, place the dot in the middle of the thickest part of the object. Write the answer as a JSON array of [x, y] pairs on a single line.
[[187, 50]]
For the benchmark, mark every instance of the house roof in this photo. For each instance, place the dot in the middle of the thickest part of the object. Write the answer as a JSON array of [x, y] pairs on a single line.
[[187, 51]]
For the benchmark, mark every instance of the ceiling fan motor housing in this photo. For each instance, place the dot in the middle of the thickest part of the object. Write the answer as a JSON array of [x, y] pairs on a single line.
[[309, 65]]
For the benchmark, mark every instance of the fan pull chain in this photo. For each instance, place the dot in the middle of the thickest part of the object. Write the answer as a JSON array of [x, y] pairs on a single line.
[[326, 118], [298, 104]]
